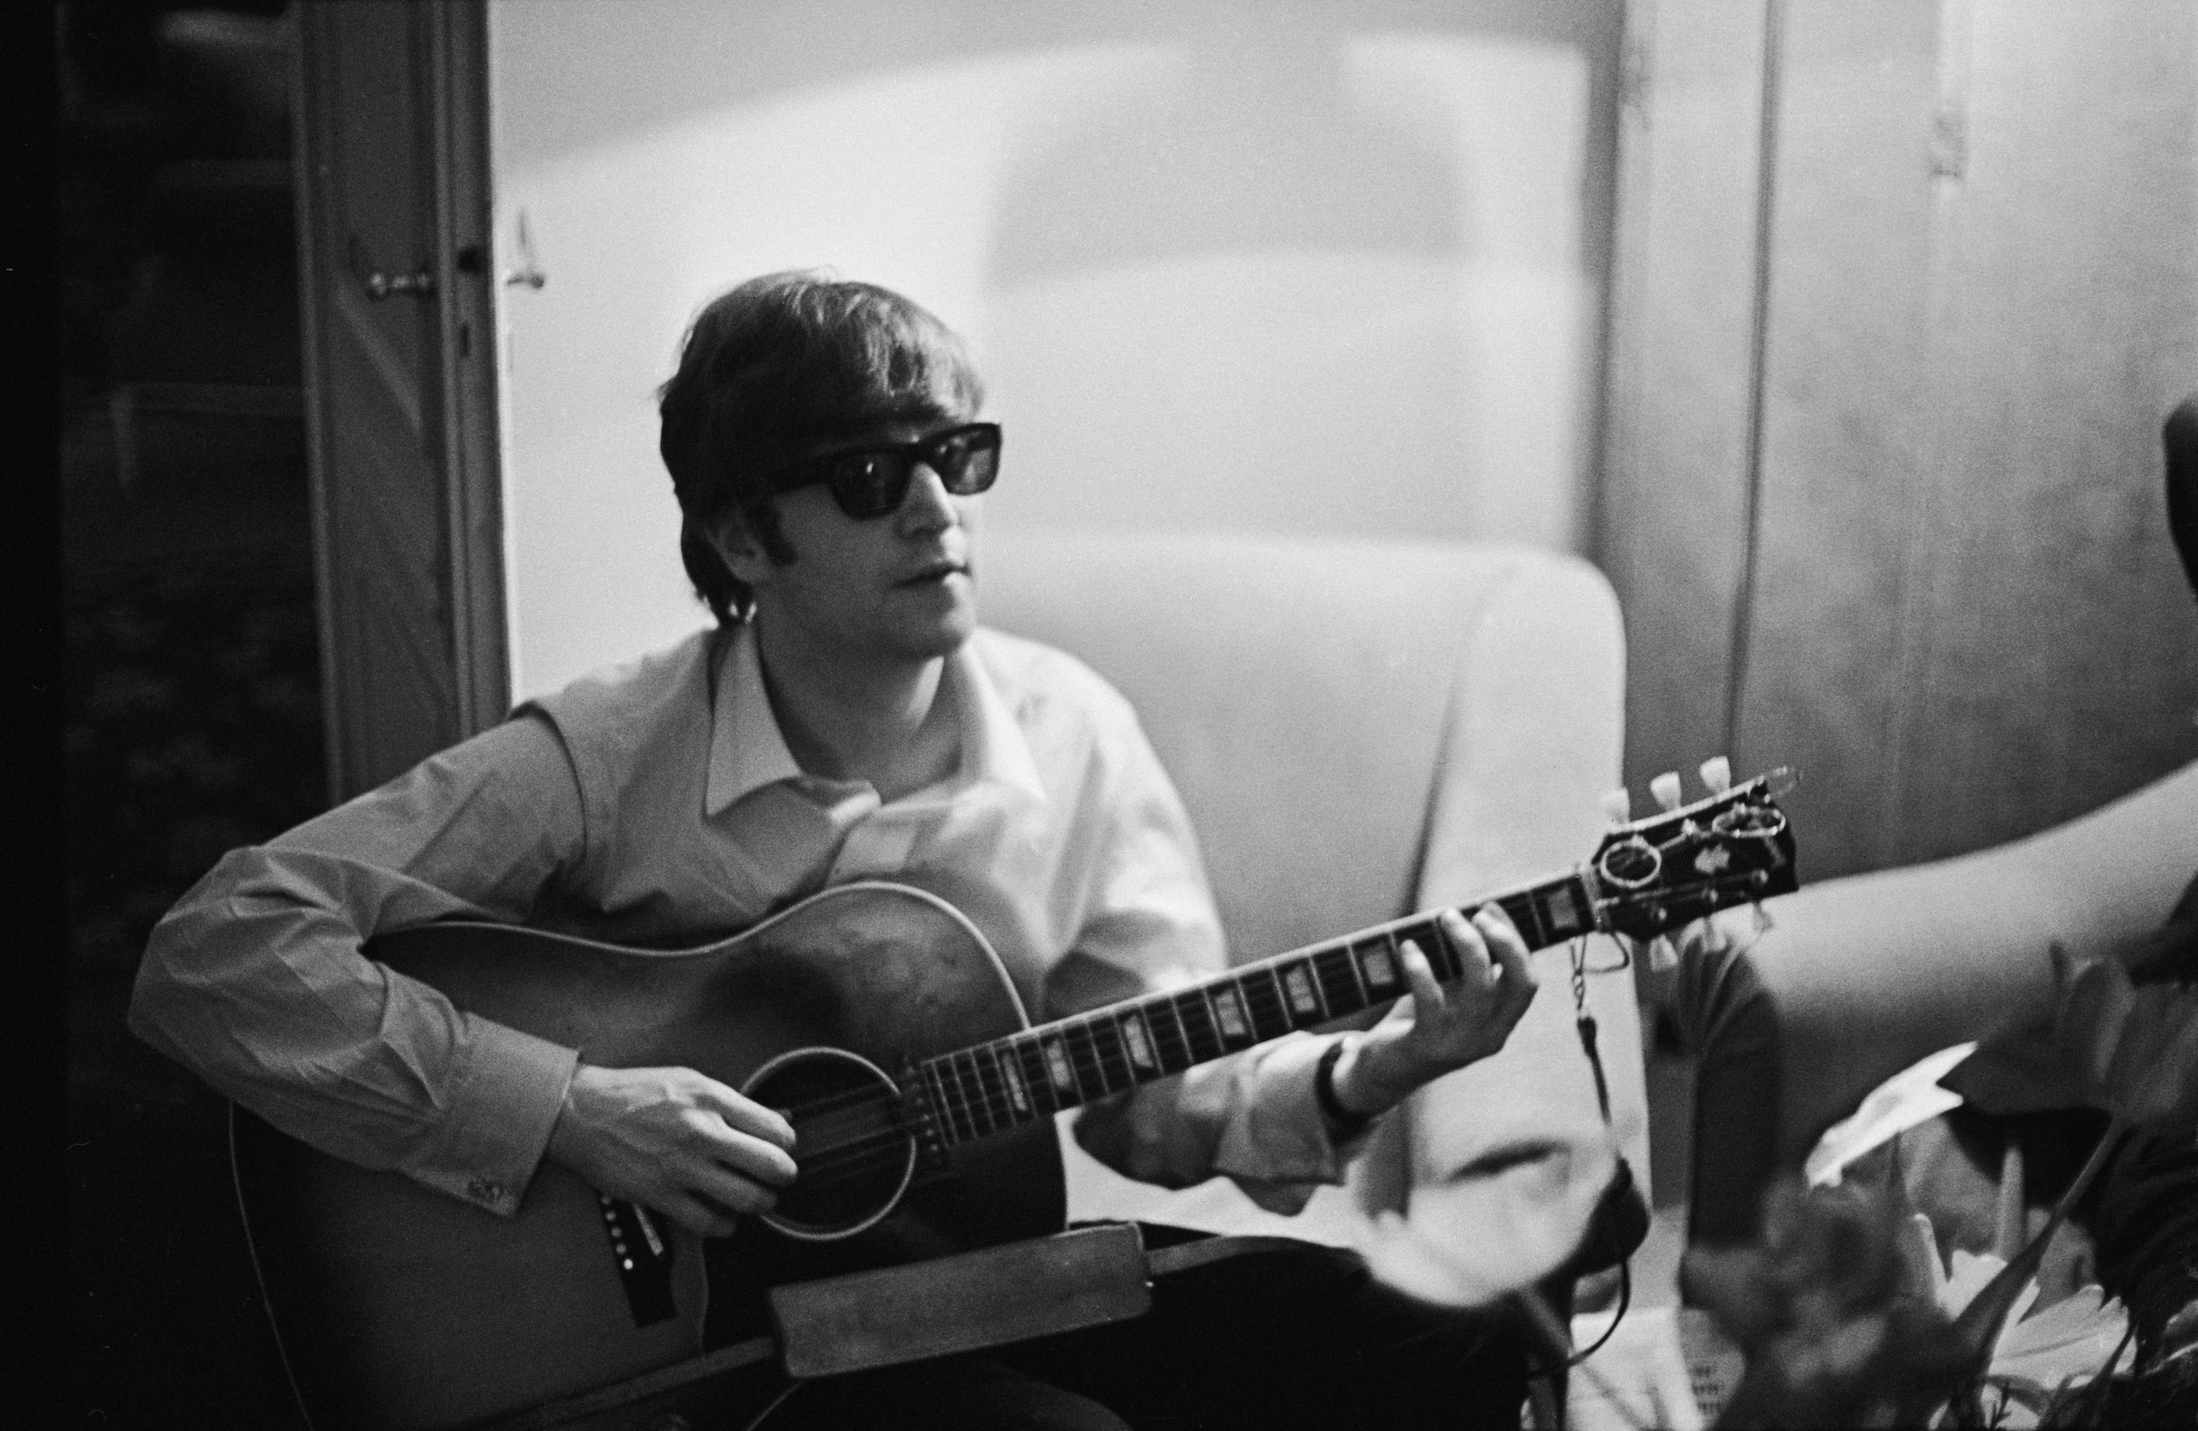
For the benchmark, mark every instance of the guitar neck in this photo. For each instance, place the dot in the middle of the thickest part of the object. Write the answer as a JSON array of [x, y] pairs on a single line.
[[992, 1087]]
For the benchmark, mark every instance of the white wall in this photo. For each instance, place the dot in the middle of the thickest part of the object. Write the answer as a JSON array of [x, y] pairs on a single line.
[[1327, 267]]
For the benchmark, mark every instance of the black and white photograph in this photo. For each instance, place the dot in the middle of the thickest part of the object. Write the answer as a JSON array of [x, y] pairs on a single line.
[[1115, 715]]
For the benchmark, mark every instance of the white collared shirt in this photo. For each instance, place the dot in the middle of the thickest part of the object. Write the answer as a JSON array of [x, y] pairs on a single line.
[[1058, 834]]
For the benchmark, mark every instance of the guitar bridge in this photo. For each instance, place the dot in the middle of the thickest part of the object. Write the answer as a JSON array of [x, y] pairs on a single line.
[[642, 1253]]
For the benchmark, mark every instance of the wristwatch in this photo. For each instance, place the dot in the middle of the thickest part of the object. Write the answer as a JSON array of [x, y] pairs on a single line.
[[1343, 1124]]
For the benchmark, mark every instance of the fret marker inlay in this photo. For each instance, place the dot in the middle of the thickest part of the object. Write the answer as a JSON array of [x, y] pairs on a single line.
[[1064, 1077], [1564, 915], [1302, 997], [1381, 970], [1133, 1034], [1229, 1012]]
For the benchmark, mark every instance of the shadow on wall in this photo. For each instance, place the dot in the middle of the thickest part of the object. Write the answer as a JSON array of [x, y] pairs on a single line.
[[1317, 277], [1291, 239], [694, 58], [1223, 155]]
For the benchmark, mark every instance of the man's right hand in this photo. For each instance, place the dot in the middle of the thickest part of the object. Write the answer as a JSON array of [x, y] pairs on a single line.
[[673, 1140]]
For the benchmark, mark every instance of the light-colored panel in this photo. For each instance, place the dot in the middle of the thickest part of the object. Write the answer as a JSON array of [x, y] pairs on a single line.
[[1329, 267], [1672, 515], [1844, 362], [1427, 405], [2053, 663]]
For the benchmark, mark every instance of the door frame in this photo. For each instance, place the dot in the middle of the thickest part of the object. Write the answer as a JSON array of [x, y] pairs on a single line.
[[451, 60]]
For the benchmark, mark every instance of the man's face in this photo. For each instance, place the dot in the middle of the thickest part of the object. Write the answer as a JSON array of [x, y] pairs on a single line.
[[891, 588]]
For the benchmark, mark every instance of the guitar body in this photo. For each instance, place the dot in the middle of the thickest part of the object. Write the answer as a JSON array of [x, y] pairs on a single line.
[[402, 1308]]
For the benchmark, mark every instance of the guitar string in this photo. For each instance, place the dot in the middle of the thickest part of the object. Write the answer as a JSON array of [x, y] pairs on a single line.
[[831, 1103], [1008, 1050], [846, 1169], [846, 1159], [999, 1109], [1415, 929], [1146, 1007], [1004, 1050]]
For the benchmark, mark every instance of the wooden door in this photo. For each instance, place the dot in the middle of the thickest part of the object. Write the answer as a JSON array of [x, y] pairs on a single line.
[[399, 338], [1904, 293]]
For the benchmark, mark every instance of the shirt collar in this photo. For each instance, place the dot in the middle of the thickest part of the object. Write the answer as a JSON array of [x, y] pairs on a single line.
[[748, 751], [993, 747]]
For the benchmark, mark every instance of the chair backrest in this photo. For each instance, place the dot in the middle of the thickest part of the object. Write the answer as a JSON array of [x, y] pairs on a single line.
[[1307, 697], [1360, 729]]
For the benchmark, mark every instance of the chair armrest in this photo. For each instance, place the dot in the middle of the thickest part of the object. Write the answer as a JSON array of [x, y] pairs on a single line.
[[1534, 743]]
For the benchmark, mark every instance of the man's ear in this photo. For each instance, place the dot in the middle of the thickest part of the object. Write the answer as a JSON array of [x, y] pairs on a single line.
[[742, 554]]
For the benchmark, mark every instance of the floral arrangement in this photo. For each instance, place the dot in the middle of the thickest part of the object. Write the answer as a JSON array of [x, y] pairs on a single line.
[[1847, 1318], [1843, 1310]]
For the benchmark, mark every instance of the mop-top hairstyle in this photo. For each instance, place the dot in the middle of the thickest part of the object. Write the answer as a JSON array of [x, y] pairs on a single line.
[[778, 364]]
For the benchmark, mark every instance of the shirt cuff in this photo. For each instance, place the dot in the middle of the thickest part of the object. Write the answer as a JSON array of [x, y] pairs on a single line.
[[499, 1123], [1282, 1137]]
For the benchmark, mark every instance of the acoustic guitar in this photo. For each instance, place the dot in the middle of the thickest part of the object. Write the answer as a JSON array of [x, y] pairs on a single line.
[[876, 1017]]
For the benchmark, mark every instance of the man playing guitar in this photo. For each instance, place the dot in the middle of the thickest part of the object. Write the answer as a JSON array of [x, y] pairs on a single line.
[[846, 719]]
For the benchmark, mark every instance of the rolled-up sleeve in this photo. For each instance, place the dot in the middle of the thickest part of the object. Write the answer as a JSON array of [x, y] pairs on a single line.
[[1150, 924], [257, 980]]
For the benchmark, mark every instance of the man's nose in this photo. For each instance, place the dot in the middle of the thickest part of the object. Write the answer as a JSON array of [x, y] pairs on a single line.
[[928, 505]]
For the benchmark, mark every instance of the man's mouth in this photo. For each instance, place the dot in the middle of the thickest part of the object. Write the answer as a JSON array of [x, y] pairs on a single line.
[[934, 572]]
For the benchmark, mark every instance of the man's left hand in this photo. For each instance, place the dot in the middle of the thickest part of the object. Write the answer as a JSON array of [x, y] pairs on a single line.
[[1434, 1029]]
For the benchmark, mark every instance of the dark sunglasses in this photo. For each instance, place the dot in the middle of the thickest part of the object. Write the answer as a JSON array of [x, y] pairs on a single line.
[[872, 480]]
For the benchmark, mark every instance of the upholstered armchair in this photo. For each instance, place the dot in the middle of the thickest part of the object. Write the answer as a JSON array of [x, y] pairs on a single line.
[[1363, 729]]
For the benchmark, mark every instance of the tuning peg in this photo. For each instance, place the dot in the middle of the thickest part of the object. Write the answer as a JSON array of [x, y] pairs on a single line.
[[1665, 788], [1618, 805], [1717, 774]]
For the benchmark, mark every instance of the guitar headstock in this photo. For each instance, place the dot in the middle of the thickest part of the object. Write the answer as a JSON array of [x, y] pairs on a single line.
[[1654, 875]]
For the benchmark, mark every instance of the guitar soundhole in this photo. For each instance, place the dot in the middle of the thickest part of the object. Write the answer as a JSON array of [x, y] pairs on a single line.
[[853, 1150], [1630, 864]]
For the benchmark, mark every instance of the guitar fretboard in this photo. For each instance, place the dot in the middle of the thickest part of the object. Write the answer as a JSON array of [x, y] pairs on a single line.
[[992, 1087]]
